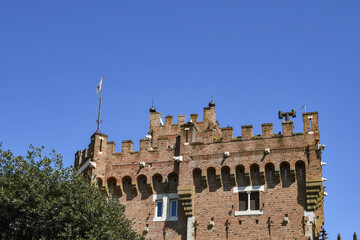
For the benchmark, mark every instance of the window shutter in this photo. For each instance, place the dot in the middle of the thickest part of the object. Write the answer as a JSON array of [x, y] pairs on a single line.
[[254, 201], [243, 198]]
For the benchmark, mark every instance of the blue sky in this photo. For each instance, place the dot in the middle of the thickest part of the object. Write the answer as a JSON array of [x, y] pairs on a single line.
[[255, 57]]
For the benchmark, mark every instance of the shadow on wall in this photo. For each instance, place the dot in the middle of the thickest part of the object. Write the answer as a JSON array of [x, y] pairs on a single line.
[[301, 182]]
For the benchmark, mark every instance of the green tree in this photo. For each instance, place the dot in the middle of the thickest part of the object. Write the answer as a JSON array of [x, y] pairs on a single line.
[[42, 199]]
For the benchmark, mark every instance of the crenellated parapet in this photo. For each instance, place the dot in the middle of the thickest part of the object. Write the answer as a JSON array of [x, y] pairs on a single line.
[[194, 132], [214, 174]]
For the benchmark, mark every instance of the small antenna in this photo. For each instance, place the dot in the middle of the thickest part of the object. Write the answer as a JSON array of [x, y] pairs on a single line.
[[152, 109], [99, 89], [303, 108], [212, 104]]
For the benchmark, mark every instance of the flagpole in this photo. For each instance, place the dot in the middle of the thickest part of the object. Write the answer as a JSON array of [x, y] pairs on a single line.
[[98, 120]]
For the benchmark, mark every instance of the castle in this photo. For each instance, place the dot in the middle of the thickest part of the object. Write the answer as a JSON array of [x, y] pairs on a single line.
[[195, 180]]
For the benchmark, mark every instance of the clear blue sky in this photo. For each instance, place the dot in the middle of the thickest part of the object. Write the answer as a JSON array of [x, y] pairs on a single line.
[[255, 57]]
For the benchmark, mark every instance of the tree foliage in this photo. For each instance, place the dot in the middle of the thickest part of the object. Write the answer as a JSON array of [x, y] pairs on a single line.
[[42, 199]]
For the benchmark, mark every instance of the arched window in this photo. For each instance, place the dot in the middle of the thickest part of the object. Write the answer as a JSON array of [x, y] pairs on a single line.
[[254, 173], [127, 183], [240, 175], [197, 177], [142, 181], [99, 182], [173, 181], [111, 183], [157, 182], [225, 176], [270, 173], [300, 170], [211, 174], [114, 191], [285, 172]]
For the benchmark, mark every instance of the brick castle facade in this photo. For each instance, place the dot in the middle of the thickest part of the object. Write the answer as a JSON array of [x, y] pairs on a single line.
[[195, 180]]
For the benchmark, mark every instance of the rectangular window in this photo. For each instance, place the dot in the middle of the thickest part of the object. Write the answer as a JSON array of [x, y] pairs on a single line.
[[243, 199], [159, 207], [249, 200], [254, 201], [173, 208], [166, 207]]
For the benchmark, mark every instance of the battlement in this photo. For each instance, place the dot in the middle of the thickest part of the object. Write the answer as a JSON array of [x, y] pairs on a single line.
[[194, 132], [188, 176]]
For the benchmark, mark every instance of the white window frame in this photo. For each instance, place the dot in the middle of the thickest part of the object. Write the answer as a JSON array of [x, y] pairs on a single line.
[[166, 212], [170, 208], [101, 145], [249, 190], [156, 208]]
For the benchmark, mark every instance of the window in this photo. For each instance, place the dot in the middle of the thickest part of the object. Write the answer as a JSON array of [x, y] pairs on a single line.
[[249, 200], [159, 208], [166, 207], [101, 145], [173, 208]]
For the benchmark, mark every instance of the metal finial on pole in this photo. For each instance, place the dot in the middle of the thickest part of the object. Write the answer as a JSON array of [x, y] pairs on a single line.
[[99, 88], [152, 109], [212, 104], [304, 108]]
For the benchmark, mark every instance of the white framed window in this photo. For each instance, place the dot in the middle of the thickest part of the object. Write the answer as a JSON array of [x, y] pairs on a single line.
[[166, 207], [101, 145], [249, 200], [159, 208], [173, 208]]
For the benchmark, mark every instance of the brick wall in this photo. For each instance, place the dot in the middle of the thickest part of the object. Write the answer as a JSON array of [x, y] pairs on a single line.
[[207, 176]]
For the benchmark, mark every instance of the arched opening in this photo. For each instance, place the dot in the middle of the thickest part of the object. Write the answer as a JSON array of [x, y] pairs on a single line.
[[254, 173], [270, 173], [173, 181], [114, 191], [99, 182], [197, 177], [127, 182], [285, 173], [211, 174], [142, 181], [225, 177], [111, 181], [129, 188], [157, 182], [240, 175], [300, 170], [301, 182]]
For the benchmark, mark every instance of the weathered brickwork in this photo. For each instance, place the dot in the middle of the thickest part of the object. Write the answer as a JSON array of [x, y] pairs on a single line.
[[267, 186]]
